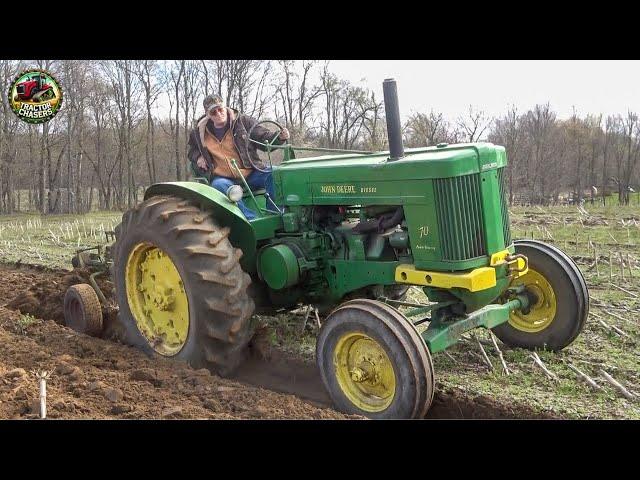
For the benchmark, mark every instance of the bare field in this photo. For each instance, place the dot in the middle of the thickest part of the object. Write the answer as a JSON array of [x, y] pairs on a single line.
[[604, 242]]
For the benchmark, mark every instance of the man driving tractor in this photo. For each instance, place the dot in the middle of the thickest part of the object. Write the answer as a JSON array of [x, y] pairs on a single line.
[[220, 136]]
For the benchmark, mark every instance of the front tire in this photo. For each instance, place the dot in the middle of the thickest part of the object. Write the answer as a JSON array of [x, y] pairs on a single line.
[[180, 288], [561, 304], [374, 363]]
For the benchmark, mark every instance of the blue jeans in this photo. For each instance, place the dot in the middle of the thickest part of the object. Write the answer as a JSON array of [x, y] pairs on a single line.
[[255, 180]]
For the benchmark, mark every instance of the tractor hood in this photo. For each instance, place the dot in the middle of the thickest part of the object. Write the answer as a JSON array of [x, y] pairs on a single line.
[[354, 179]]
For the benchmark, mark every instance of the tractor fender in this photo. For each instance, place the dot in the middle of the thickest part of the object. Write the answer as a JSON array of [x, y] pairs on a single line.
[[225, 212]]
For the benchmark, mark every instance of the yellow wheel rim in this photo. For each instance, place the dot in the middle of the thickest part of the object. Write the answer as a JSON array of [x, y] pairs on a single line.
[[364, 372], [157, 298], [543, 311]]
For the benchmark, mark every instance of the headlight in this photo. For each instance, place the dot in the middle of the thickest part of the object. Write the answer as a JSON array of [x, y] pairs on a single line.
[[235, 193]]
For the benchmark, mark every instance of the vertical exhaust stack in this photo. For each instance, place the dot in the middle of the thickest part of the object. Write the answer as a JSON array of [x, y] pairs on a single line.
[[392, 112]]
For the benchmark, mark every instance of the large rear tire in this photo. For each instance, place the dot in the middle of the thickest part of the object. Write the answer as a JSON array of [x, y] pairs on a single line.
[[374, 363], [179, 285], [561, 305]]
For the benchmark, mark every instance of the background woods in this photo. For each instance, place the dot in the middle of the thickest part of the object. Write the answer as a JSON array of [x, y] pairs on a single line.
[[124, 125]]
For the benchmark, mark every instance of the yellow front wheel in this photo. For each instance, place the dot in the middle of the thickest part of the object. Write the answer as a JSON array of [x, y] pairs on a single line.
[[544, 306], [364, 372], [559, 300], [373, 362]]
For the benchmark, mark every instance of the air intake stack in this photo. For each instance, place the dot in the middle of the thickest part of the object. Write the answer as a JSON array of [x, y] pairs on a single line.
[[392, 112]]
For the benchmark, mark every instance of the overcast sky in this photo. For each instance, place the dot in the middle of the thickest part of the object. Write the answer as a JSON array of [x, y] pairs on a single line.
[[450, 86]]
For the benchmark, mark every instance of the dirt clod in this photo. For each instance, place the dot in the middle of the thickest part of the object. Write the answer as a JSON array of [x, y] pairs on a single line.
[[120, 409], [144, 375], [34, 406], [16, 373], [120, 365], [114, 394], [64, 368], [20, 393], [41, 356], [95, 386], [172, 412]]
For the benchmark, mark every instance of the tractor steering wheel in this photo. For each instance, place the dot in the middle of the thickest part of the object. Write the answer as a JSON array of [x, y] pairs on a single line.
[[269, 145]]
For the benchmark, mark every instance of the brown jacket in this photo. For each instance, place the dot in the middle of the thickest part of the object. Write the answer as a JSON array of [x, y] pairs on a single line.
[[223, 152], [240, 126]]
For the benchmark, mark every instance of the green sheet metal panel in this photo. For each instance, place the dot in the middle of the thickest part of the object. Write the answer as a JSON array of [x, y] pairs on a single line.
[[451, 196]]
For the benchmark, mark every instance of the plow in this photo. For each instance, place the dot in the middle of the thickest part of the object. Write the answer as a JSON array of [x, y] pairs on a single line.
[[348, 232]]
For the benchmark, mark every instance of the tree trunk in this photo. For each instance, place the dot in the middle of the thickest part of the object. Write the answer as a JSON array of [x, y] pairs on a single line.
[[44, 168]]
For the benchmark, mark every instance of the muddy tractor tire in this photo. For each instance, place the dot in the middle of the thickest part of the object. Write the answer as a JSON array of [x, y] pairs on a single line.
[[560, 301], [374, 363], [179, 285], [82, 310]]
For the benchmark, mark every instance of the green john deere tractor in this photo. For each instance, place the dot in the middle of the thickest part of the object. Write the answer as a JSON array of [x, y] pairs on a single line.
[[348, 233]]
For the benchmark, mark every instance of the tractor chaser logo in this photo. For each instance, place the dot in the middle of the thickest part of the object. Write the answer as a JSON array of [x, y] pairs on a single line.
[[35, 96]]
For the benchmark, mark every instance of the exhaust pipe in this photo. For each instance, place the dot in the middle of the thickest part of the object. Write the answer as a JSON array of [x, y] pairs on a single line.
[[392, 112]]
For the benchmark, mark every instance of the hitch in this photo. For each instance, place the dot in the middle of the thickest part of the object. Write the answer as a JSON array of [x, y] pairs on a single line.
[[514, 259]]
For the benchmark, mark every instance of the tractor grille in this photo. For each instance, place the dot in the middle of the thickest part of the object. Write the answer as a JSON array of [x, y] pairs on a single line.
[[20, 89], [460, 219], [506, 230]]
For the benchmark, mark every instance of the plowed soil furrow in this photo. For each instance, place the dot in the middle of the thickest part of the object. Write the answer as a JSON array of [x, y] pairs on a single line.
[[98, 378]]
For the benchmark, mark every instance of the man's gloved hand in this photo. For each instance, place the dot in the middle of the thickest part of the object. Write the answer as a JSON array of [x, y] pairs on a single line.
[[202, 163], [284, 134]]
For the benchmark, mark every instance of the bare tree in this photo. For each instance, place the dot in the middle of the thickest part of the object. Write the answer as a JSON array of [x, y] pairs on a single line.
[[595, 139], [9, 125], [474, 124], [190, 92], [126, 96], [539, 124], [147, 72], [111, 133], [609, 138], [631, 134], [173, 73], [576, 133], [347, 109], [427, 129], [45, 155], [374, 124], [507, 132], [104, 165], [296, 94]]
